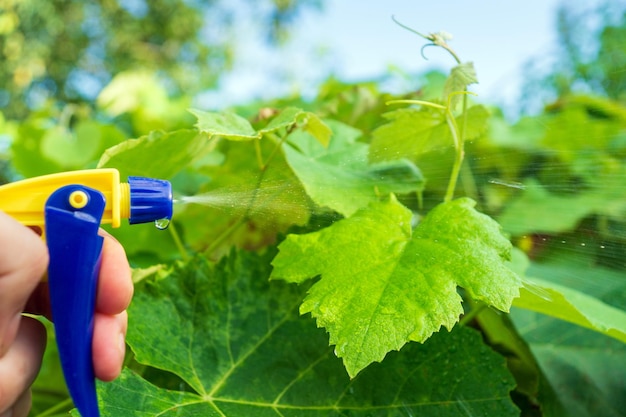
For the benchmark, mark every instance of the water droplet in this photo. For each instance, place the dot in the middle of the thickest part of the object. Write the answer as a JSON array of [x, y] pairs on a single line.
[[162, 224]]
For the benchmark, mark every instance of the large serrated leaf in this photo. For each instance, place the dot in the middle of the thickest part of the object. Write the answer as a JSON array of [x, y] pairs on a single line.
[[383, 284], [241, 349]]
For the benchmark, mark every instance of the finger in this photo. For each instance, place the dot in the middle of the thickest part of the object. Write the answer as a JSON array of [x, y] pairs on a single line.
[[22, 405], [23, 261], [109, 345], [21, 363], [115, 286]]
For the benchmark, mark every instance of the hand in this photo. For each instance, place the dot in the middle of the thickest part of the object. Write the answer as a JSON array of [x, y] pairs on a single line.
[[23, 261]]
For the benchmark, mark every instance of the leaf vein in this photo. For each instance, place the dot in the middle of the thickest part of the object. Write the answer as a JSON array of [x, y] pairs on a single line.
[[216, 387]]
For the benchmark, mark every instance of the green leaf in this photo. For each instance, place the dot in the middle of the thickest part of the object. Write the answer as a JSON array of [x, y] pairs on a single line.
[[573, 133], [42, 146], [240, 349], [228, 125], [383, 284], [567, 303], [317, 128], [143, 99], [130, 91], [536, 210], [460, 77], [283, 120], [158, 154], [412, 132], [573, 306], [234, 127], [293, 116], [588, 380], [27, 157], [577, 360], [340, 177], [68, 148]]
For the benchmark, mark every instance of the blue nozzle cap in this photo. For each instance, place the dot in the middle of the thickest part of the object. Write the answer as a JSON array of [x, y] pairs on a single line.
[[150, 200]]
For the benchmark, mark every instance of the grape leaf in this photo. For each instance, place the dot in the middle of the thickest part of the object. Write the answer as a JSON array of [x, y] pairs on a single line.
[[340, 177], [234, 127], [573, 306], [158, 154], [292, 116], [240, 349], [577, 360], [581, 306], [536, 210], [460, 77], [383, 284], [411, 132], [227, 125]]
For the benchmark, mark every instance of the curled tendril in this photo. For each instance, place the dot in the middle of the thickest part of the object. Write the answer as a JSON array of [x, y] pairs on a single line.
[[435, 39], [424, 47], [402, 25], [430, 38]]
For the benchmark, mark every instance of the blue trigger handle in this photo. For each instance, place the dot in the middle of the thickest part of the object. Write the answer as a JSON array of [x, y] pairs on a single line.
[[72, 218]]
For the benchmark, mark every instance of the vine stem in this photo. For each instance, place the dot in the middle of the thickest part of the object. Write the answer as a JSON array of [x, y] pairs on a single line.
[[458, 156], [477, 308], [178, 242], [458, 134], [224, 235]]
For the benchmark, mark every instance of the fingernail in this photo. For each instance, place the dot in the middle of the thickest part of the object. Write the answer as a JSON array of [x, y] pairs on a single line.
[[8, 413], [104, 233]]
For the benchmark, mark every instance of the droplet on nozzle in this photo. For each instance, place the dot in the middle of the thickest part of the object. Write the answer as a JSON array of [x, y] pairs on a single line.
[[162, 224]]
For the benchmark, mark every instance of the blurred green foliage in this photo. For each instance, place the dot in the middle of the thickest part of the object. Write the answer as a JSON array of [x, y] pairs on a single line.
[[66, 50]]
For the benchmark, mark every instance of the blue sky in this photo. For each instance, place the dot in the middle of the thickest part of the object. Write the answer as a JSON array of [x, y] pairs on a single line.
[[359, 41]]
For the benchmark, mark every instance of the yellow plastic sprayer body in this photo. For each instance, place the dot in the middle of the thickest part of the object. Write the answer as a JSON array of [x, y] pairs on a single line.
[[25, 200]]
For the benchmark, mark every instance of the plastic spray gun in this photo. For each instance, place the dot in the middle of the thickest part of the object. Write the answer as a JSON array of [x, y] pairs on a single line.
[[69, 208]]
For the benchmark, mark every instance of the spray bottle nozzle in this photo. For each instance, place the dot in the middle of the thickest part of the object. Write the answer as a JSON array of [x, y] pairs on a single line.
[[150, 200]]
